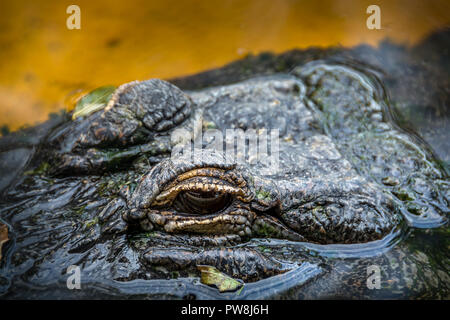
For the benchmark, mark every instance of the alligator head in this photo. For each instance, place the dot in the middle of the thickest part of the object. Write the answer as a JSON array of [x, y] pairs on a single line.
[[329, 122]]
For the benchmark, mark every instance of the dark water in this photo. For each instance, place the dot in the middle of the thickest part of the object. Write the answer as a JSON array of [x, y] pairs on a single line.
[[414, 263]]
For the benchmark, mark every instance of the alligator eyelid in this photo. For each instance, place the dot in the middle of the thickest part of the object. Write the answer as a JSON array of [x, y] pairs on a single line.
[[169, 195], [203, 191], [218, 173], [204, 179]]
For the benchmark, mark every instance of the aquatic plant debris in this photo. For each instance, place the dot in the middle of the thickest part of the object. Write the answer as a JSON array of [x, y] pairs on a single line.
[[93, 101], [3, 237], [212, 276]]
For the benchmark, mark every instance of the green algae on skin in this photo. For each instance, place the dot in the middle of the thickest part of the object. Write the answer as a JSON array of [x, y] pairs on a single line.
[[41, 170], [91, 222], [263, 195]]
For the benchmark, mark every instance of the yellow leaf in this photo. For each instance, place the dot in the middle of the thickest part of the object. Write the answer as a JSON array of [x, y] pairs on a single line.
[[211, 276]]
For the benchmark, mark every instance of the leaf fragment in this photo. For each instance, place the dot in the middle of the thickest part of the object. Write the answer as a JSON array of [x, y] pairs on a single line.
[[212, 276], [95, 100]]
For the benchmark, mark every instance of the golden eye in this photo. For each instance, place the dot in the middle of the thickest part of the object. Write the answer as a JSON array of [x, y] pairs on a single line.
[[197, 202]]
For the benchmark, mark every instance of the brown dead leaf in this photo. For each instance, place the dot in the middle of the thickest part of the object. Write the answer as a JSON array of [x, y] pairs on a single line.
[[3, 237]]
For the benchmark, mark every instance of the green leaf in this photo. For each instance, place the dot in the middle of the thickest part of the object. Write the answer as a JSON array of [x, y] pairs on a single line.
[[41, 170], [211, 276], [93, 101]]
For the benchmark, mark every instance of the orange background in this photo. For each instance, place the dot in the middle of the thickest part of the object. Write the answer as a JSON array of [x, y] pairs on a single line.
[[43, 65]]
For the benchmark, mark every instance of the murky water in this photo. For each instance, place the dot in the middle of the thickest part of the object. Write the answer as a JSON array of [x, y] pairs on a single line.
[[119, 42], [43, 64]]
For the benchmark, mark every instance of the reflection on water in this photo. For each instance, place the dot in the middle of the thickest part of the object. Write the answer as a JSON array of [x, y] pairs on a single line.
[[43, 64]]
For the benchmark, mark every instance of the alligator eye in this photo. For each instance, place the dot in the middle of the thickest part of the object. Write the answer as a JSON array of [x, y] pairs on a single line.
[[194, 202]]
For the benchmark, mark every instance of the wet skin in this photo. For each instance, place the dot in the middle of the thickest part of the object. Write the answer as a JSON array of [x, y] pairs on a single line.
[[330, 120], [345, 174]]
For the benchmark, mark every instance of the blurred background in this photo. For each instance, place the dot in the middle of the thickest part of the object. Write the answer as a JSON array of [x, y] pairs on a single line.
[[44, 66]]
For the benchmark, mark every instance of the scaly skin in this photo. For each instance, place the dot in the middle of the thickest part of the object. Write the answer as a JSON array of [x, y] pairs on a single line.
[[157, 202], [346, 175], [137, 113]]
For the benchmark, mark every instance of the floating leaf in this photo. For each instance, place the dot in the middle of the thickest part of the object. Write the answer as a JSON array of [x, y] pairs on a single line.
[[3, 237], [93, 101], [211, 276]]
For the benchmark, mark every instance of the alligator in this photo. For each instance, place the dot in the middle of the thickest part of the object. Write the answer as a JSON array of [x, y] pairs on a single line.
[[147, 187]]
